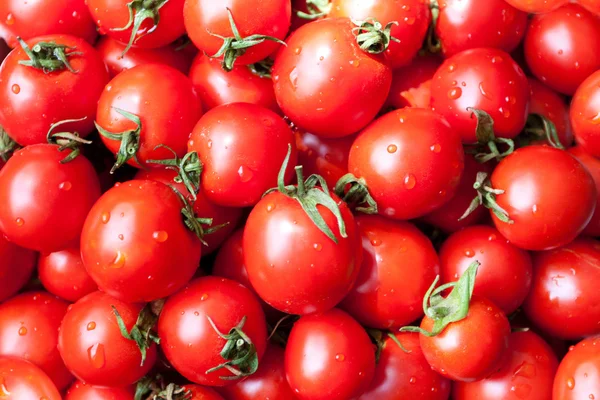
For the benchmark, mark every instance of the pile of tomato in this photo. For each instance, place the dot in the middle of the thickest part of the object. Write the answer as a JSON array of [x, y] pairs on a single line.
[[307, 199]]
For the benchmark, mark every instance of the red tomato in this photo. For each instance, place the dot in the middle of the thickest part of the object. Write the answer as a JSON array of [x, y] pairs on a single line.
[[16, 266], [469, 24], [20, 379], [167, 115], [411, 84], [585, 115], [241, 147], [405, 375], [92, 346], [578, 375], [563, 301], [62, 273], [591, 5], [197, 392], [549, 205], [399, 264], [32, 99], [397, 155], [82, 391], [484, 79], [546, 102], [537, 6], [592, 164], [412, 21], [527, 374], [190, 342], [45, 202], [329, 356], [325, 83], [563, 64]]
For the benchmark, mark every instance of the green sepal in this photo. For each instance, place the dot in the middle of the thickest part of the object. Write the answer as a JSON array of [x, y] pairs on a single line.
[[540, 127], [486, 196], [188, 168], [316, 9], [7, 145], [372, 36], [67, 140], [262, 69], [487, 139], [358, 196], [139, 11], [130, 140], [48, 56]]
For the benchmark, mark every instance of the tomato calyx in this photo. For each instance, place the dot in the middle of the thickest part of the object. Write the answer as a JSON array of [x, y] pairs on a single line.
[[194, 223], [236, 46], [239, 352], [7, 145], [433, 44], [486, 196], [157, 389], [67, 140], [378, 339], [188, 168], [262, 69], [372, 36], [48, 56], [539, 127], [130, 140], [357, 194], [487, 139], [139, 11], [316, 9]]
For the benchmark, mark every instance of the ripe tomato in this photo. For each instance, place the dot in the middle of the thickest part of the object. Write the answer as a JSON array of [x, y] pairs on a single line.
[[197, 392], [546, 102], [16, 266], [325, 83], [411, 84], [550, 206], [241, 147], [397, 155], [62, 273], [563, 64], [32, 98], [20, 379], [484, 79], [167, 115], [399, 264], [329, 356], [195, 347], [82, 391], [92, 346], [405, 374], [585, 115], [578, 375], [563, 301], [527, 374], [468, 24], [592, 164], [45, 202], [537, 6]]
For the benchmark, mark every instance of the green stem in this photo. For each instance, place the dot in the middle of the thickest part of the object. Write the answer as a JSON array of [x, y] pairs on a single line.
[[130, 140], [48, 56]]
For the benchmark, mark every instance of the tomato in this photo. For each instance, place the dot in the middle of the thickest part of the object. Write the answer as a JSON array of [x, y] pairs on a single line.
[[208, 23], [563, 301], [578, 375], [132, 238], [400, 374], [32, 99], [592, 164], [504, 276], [82, 391], [20, 379], [268, 382], [325, 83], [411, 84], [412, 21], [45, 202], [399, 264], [16, 266], [550, 201], [537, 6], [527, 374], [585, 116], [197, 392], [546, 102], [193, 346], [563, 64], [463, 25], [167, 115], [484, 79], [411, 162], [92, 346], [241, 147], [591, 5], [29, 19], [217, 87], [62, 273], [329, 356]]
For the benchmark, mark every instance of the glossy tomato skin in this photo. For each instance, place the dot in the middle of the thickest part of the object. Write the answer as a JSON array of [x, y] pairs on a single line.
[[281, 244], [329, 356], [527, 374], [25, 381], [44, 202], [549, 205], [537, 6], [472, 348], [242, 147], [396, 156], [563, 64], [463, 25], [550, 104], [325, 83], [485, 79], [592, 164], [16, 266], [412, 16], [168, 114], [577, 374], [401, 374], [92, 347], [63, 274], [82, 391], [198, 392], [399, 264], [411, 84], [189, 341], [504, 276], [585, 116], [563, 301], [204, 19], [31, 100], [591, 5], [132, 238]]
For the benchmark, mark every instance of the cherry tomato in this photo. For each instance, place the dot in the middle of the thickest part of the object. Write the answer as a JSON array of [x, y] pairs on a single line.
[[82, 391], [325, 83], [193, 346], [411, 161], [197, 392], [411, 84], [329, 356], [62, 273], [537, 6], [32, 99], [585, 115], [550, 201], [20, 380], [563, 64], [592, 164], [546, 102], [527, 374], [16, 266], [485, 79], [578, 375]]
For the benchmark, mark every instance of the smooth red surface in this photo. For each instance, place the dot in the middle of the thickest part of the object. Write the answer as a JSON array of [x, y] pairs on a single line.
[[537, 6], [62, 273], [552, 105], [16, 266], [411, 84], [585, 114], [578, 375], [25, 381], [592, 164], [82, 391]]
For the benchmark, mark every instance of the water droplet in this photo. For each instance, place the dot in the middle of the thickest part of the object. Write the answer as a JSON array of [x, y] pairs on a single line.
[[208, 143], [454, 93], [505, 112], [376, 242], [270, 207], [484, 92], [526, 370], [534, 209], [160, 236], [355, 63], [497, 59], [436, 148], [10, 19], [16, 89], [392, 148], [340, 357], [196, 313], [294, 78], [571, 383], [595, 120], [121, 237], [492, 237], [22, 331], [591, 397], [66, 186], [204, 297], [410, 181], [245, 174], [318, 246], [451, 68], [105, 217], [521, 390], [20, 221], [119, 260], [469, 253], [412, 379], [409, 20], [91, 326], [96, 355], [297, 50]]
